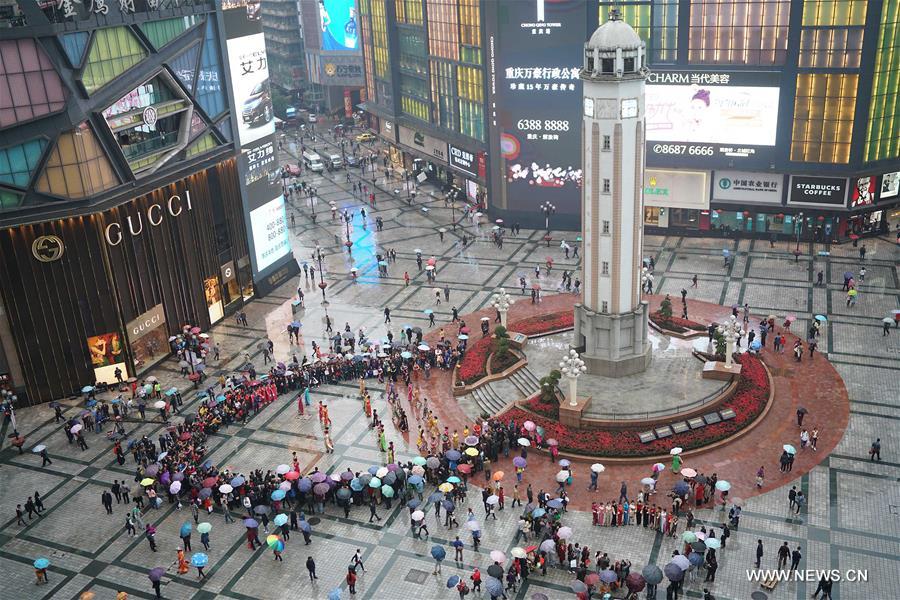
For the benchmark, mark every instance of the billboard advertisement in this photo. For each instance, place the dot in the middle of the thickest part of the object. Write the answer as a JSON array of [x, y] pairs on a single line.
[[676, 189], [338, 25], [534, 65], [818, 190], [739, 186], [711, 118], [864, 192], [107, 355], [890, 185], [263, 201]]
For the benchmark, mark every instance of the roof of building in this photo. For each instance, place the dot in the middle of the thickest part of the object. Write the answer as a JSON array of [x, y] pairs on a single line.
[[613, 34]]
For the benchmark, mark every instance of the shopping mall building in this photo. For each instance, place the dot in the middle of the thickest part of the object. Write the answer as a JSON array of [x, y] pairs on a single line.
[[763, 117], [122, 211]]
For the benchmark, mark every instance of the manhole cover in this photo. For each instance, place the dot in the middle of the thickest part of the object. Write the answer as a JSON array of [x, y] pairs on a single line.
[[314, 521], [416, 576]]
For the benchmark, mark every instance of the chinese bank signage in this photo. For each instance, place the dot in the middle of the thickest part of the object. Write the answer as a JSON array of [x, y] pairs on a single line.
[[534, 61], [676, 189], [739, 186], [341, 70], [711, 117], [818, 190], [432, 147], [462, 159]]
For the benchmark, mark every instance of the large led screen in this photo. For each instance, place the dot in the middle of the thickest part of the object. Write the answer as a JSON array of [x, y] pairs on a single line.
[[535, 62], [338, 25], [268, 225], [250, 81], [711, 117]]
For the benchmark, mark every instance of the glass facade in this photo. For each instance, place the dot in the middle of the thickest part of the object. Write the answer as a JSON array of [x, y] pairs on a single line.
[[834, 13], [739, 32], [77, 166], [17, 163], [164, 31], [413, 51], [882, 139], [443, 29], [207, 142], [409, 11], [74, 45], [470, 31], [380, 40], [414, 96], [365, 12], [209, 92], [29, 86], [471, 102], [443, 92], [113, 51], [823, 117], [656, 22], [831, 47], [10, 199], [185, 67]]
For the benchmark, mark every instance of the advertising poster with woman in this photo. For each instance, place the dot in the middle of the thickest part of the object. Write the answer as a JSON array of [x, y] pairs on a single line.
[[338, 24], [107, 354]]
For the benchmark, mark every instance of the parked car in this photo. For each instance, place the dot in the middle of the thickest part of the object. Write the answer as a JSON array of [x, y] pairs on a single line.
[[365, 137]]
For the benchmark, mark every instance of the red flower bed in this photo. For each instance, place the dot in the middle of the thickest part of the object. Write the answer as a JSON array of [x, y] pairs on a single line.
[[545, 409], [544, 323], [748, 401], [473, 365], [676, 323]]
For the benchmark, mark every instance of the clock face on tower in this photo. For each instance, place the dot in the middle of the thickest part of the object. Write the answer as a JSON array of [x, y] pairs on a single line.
[[629, 108], [589, 107]]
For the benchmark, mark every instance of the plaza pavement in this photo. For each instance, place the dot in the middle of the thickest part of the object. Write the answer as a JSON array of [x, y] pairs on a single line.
[[852, 520]]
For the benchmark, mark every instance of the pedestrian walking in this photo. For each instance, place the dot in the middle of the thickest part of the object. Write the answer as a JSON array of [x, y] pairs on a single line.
[[311, 567], [875, 450], [759, 553]]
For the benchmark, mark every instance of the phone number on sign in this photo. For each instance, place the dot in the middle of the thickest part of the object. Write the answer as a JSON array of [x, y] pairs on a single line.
[[546, 125], [683, 149]]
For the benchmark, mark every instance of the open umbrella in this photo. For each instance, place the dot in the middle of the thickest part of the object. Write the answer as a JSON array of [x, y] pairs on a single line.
[[688, 472], [524, 442], [39, 448], [419, 460], [453, 582], [695, 558], [673, 572], [556, 503], [538, 513], [438, 553], [681, 488], [417, 515], [464, 469], [652, 574], [789, 449], [204, 527], [564, 533], [433, 462], [387, 491], [304, 526], [676, 451], [278, 495], [471, 440], [320, 489], [156, 574], [282, 469], [76, 428], [688, 537], [579, 587], [562, 476], [41, 563], [446, 487], [473, 526], [822, 318], [334, 594], [648, 481], [147, 481], [635, 582], [492, 500], [597, 468], [519, 462], [608, 576], [453, 455], [175, 487], [493, 586], [199, 559], [592, 579], [262, 509], [698, 546], [723, 486], [682, 561], [343, 493], [498, 556], [473, 452], [454, 480], [251, 523], [518, 552], [495, 571], [713, 543]]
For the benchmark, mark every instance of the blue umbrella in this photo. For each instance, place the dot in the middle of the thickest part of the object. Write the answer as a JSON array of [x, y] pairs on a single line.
[[453, 479], [87, 389], [171, 391], [220, 398], [453, 582], [681, 488], [41, 563], [821, 318], [755, 345], [334, 594], [673, 572], [250, 523], [538, 512], [695, 558], [435, 496], [237, 481], [373, 469], [428, 311], [555, 503], [278, 495], [453, 455], [493, 586], [185, 529], [413, 504], [438, 553], [416, 480], [280, 519], [304, 526], [355, 484], [305, 484], [448, 506], [199, 559]]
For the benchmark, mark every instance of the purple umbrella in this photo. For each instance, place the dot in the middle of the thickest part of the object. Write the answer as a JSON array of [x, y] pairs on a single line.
[[165, 478], [320, 489], [156, 574], [151, 471], [519, 462], [250, 523], [393, 467], [318, 477], [608, 576], [178, 477], [347, 476], [673, 572], [305, 484], [635, 582]]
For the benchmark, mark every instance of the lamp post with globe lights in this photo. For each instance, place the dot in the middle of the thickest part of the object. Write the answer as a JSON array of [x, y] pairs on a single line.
[[572, 367], [548, 209], [502, 302], [646, 276], [731, 331]]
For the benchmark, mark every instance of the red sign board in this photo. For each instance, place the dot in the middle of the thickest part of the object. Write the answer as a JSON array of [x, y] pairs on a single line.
[[482, 166]]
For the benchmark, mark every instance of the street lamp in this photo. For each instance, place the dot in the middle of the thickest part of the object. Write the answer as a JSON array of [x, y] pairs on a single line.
[[502, 302], [548, 209], [348, 243], [322, 284], [572, 367], [799, 229], [646, 276]]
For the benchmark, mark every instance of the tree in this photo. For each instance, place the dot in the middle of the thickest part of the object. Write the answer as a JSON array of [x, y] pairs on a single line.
[[665, 309], [548, 386], [720, 344], [501, 341]]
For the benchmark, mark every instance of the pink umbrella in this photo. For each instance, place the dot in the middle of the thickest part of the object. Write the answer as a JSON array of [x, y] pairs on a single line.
[[552, 442], [528, 425], [195, 330]]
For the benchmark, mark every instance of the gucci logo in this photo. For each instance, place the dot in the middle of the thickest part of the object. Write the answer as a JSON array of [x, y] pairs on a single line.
[[47, 248]]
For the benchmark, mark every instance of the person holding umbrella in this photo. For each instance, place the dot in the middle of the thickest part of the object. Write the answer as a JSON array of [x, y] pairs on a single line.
[[155, 575], [200, 560], [185, 535]]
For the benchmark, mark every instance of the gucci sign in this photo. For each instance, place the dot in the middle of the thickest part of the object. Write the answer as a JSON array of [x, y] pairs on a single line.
[[135, 224], [47, 248], [146, 323]]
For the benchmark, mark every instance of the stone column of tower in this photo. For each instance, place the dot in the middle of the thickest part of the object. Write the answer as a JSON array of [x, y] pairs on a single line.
[[611, 320]]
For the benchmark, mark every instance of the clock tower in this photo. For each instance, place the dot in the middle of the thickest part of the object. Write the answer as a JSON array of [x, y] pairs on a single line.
[[611, 319]]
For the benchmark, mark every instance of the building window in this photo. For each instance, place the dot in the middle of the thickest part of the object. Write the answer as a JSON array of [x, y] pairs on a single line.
[[831, 47], [380, 39], [409, 11], [607, 144], [365, 30], [471, 102], [739, 32], [443, 94], [17, 163], [823, 117], [604, 306], [10, 199], [77, 166], [604, 268], [470, 31], [882, 140], [834, 13], [29, 86], [655, 22], [413, 51], [113, 51], [606, 227], [606, 186], [443, 28], [164, 31], [209, 82]]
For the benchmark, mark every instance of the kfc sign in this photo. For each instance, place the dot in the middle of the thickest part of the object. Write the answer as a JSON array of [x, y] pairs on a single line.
[[461, 159]]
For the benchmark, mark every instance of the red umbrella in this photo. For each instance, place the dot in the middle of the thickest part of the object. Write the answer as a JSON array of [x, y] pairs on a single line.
[[853, 236], [292, 475], [210, 482], [535, 286], [195, 330], [464, 330], [194, 376], [464, 468], [184, 436], [592, 579], [431, 261]]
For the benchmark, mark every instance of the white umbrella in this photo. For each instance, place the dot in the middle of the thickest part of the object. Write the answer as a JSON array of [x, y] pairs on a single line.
[[648, 481], [159, 404], [562, 476], [76, 428], [564, 533], [518, 552], [676, 451], [282, 469], [39, 448], [597, 468], [175, 487], [225, 488], [524, 442], [418, 515], [498, 556], [492, 500], [382, 472], [473, 526]]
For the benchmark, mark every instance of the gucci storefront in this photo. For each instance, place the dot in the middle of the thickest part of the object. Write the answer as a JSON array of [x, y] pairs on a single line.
[[85, 295]]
